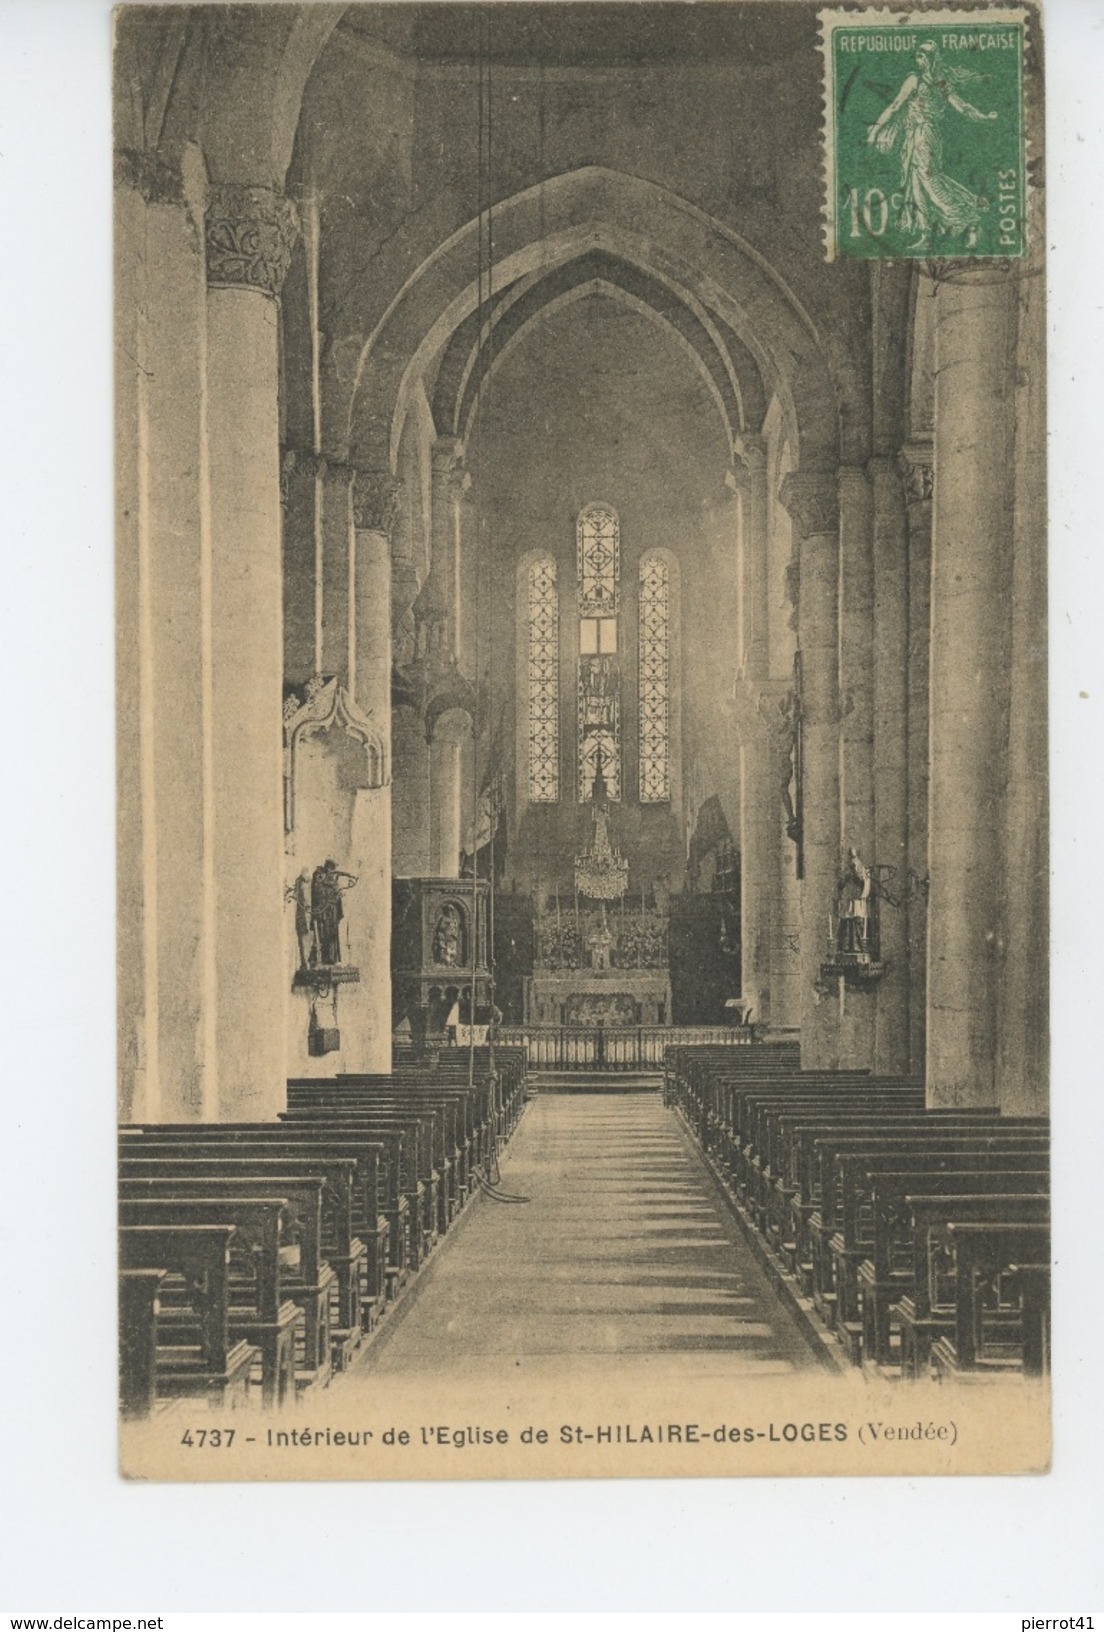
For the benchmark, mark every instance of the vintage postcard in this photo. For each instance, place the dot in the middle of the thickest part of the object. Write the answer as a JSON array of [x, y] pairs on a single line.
[[582, 716]]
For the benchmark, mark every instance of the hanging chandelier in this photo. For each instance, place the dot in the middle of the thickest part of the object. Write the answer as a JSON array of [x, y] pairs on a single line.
[[601, 872]]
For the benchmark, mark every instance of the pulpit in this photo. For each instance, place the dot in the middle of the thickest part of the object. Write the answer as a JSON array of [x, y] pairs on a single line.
[[439, 951]]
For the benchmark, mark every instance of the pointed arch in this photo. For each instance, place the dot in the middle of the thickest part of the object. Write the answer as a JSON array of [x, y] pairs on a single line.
[[644, 226]]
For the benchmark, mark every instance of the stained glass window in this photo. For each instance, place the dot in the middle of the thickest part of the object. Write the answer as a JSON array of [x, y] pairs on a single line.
[[544, 683], [655, 680], [598, 542], [598, 558]]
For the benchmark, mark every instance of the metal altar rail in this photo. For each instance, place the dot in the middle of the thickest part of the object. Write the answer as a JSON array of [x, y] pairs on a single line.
[[613, 1048]]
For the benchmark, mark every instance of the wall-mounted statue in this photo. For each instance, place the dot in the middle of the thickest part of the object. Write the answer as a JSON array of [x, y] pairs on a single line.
[[853, 909], [448, 938], [328, 884], [300, 893]]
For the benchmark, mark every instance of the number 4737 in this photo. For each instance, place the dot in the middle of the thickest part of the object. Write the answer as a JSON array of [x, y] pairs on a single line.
[[872, 208]]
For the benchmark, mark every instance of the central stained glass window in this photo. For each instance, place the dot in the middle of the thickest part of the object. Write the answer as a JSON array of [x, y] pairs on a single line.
[[544, 683], [598, 560]]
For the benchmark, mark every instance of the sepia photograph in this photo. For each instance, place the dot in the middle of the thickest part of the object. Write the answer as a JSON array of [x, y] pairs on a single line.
[[581, 586]]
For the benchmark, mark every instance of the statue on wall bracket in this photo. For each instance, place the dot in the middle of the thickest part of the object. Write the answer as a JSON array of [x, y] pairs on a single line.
[[854, 953], [319, 914]]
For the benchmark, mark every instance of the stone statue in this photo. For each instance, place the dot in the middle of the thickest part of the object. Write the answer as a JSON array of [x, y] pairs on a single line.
[[853, 909], [446, 938], [327, 910], [300, 893]]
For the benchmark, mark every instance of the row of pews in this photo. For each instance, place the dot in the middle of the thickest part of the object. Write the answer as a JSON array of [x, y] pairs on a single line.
[[256, 1257], [919, 1239]]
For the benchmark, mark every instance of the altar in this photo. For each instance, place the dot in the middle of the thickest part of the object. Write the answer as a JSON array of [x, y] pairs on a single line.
[[592, 997]]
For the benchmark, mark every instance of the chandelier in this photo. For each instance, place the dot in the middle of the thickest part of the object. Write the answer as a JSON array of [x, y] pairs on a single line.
[[601, 872]]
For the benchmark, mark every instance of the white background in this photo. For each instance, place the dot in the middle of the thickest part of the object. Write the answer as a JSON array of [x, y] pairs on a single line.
[[74, 1539]]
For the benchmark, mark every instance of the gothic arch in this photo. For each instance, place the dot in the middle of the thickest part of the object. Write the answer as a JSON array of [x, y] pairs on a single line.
[[466, 365], [641, 224]]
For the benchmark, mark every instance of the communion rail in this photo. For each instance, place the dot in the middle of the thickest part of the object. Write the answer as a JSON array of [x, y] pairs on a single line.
[[613, 1048]]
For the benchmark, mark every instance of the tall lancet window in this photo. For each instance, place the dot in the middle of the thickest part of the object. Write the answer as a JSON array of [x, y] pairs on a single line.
[[544, 683], [598, 557], [655, 680]]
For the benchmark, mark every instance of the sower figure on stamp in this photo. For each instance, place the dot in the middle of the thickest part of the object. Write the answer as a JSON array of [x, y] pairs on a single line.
[[327, 910], [931, 199]]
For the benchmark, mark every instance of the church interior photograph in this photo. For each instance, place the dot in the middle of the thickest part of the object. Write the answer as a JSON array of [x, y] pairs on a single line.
[[581, 718]]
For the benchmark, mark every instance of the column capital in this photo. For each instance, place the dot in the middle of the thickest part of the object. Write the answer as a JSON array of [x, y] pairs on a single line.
[[749, 449], [149, 174], [812, 499], [444, 453], [250, 233], [915, 463], [300, 462], [376, 498], [459, 481]]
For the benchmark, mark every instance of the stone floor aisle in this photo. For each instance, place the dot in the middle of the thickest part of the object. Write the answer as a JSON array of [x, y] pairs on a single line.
[[624, 1249]]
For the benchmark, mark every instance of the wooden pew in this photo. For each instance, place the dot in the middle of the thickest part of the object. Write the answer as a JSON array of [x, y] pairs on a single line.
[[475, 1106], [985, 1257], [159, 1154], [256, 1311], [449, 1110], [901, 1226], [214, 1369], [410, 1137], [138, 1309], [306, 1278], [838, 1243], [798, 1185], [1033, 1283]]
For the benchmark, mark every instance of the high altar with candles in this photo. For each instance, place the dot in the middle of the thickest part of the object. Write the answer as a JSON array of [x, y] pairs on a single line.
[[602, 958]]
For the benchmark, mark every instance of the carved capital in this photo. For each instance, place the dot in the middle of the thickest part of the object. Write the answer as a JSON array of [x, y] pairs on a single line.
[[303, 463], [917, 471], [750, 450], [812, 499], [376, 498], [459, 483], [444, 454], [250, 233], [148, 173]]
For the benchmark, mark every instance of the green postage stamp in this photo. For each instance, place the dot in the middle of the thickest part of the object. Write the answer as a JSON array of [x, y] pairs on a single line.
[[924, 133]]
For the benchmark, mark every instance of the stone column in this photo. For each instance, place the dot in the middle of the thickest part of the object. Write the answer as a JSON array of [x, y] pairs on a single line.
[[249, 236], [442, 585], [337, 609], [891, 850], [302, 479], [463, 618], [758, 796], [375, 497], [410, 795], [779, 704], [450, 731], [813, 502], [975, 341], [167, 1061], [856, 626], [916, 472], [1024, 1020]]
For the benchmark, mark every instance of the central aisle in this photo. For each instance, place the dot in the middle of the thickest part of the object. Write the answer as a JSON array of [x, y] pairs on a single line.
[[625, 1248]]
